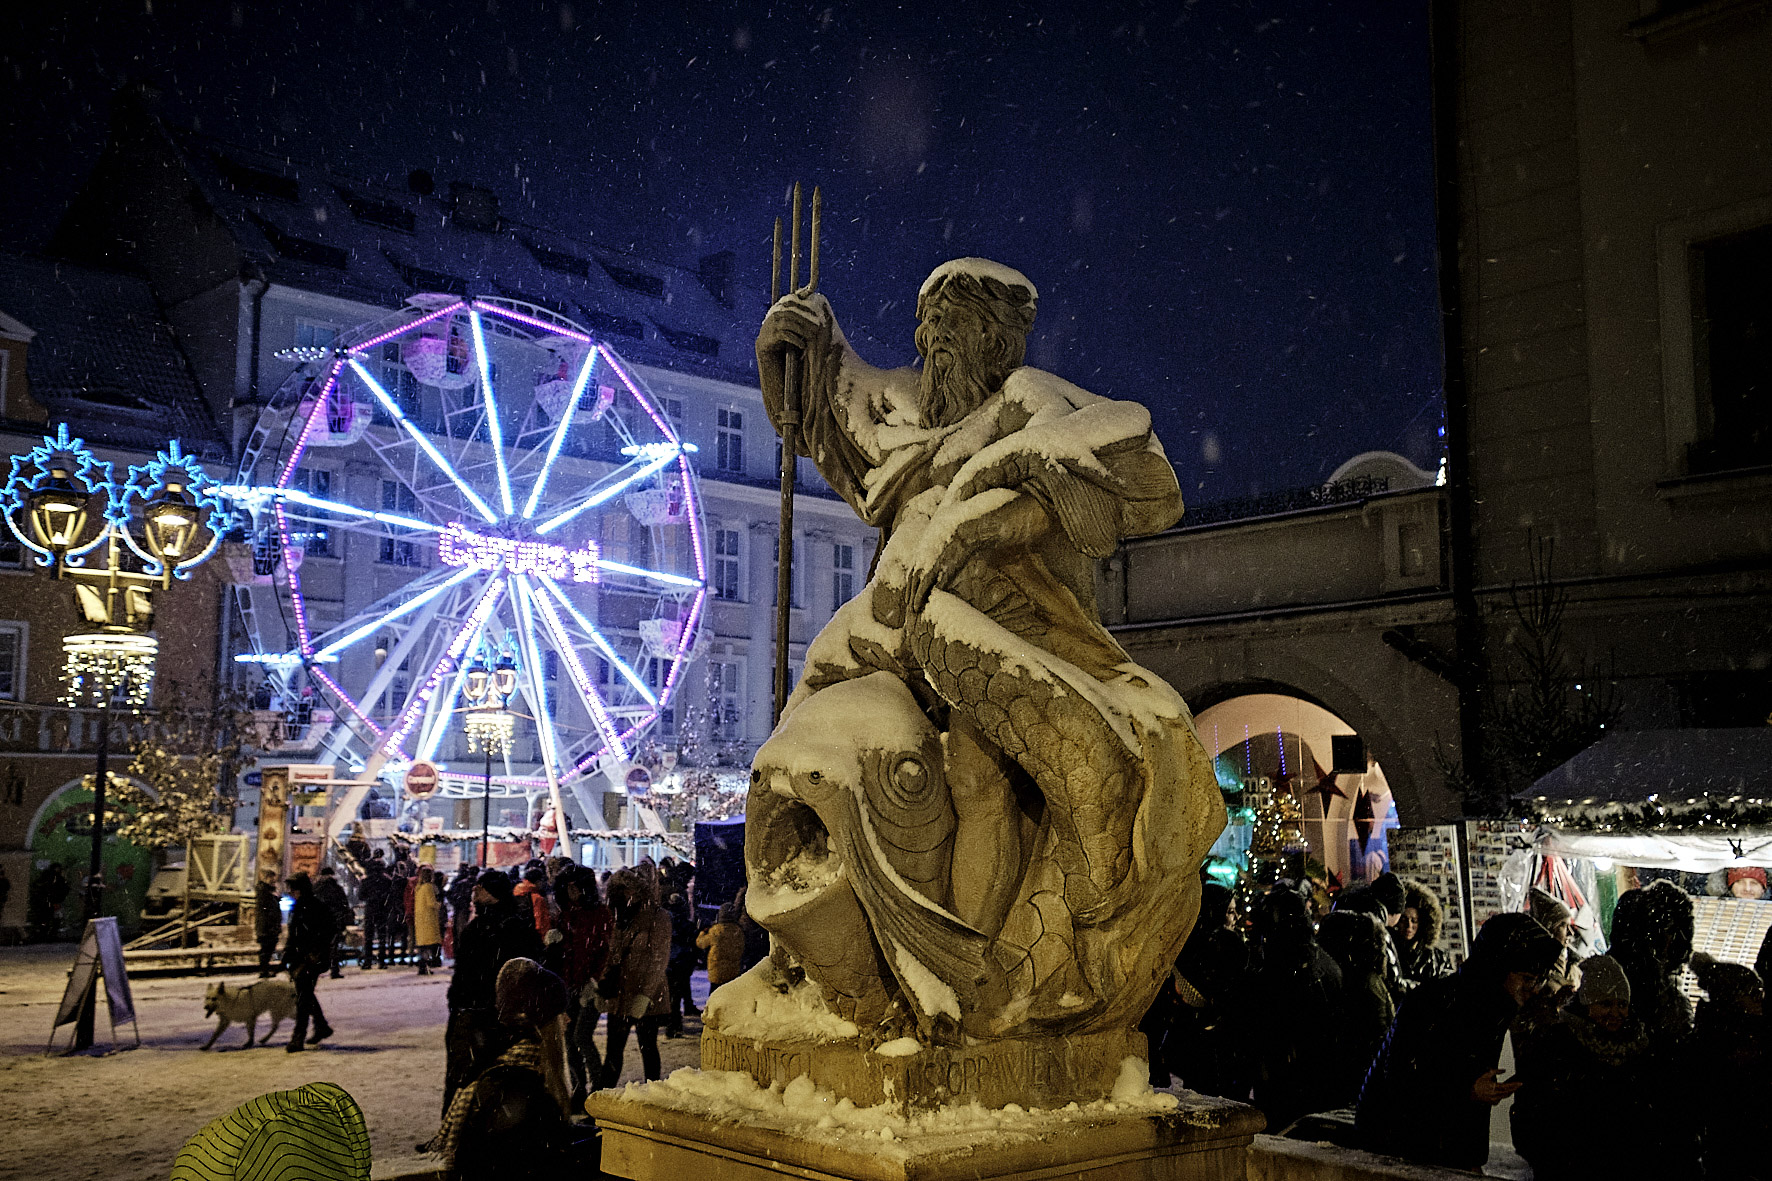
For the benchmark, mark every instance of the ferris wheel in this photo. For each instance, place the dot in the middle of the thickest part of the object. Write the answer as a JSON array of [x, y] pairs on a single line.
[[499, 479]]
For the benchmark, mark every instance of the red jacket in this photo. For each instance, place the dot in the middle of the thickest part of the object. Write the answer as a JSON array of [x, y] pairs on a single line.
[[587, 930], [530, 895]]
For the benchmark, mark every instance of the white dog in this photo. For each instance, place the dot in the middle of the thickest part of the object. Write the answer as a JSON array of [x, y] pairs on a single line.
[[244, 1003]]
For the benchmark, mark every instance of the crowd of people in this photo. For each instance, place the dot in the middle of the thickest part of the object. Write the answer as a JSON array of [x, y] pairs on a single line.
[[541, 955], [1358, 1009]]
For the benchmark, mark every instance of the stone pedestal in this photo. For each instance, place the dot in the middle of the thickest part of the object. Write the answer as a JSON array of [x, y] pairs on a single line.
[[1203, 1140], [1047, 1073]]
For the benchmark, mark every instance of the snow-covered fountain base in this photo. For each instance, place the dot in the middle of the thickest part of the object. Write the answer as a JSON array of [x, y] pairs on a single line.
[[788, 1088], [713, 1123]]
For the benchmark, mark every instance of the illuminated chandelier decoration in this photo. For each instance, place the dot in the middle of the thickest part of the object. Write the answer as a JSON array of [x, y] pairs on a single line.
[[118, 543], [479, 407]]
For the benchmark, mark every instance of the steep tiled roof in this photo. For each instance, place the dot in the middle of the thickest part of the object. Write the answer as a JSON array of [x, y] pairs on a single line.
[[104, 359], [311, 229]]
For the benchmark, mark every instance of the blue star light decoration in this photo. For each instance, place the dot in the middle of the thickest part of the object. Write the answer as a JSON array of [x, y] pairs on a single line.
[[30, 472], [173, 465]]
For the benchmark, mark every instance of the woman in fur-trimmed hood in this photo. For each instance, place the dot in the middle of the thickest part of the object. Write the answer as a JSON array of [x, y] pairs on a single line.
[[1417, 934]]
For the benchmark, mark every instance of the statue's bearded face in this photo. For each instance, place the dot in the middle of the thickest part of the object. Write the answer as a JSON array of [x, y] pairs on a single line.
[[970, 342]]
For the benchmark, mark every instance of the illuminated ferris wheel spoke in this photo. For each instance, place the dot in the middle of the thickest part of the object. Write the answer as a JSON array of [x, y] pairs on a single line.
[[494, 431], [559, 434], [296, 496], [532, 681], [405, 606], [417, 435], [482, 610], [606, 494], [603, 645], [437, 721], [649, 575], [587, 691]]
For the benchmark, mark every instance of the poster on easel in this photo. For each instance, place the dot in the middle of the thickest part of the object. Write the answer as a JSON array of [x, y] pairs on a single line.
[[100, 955]]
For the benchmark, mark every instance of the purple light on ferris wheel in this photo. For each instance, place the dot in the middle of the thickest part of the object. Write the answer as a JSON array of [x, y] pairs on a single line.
[[339, 693], [303, 640], [314, 416], [531, 321], [658, 420], [404, 328]]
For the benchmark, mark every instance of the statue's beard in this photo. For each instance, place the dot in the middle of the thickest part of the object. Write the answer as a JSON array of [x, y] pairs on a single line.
[[952, 387]]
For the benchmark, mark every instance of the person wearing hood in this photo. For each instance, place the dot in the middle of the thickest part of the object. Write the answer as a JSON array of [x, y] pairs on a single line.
[[1357, 943], [1208, 978], [331, 892], [510, 1121], [1585, 1109], [1384, 898], [1652, 938], [376, 892], [1429, 1094], [1289, 1009], [1417, 935], [1725, 1071], [501, 931], [634, 984], [268, 924]]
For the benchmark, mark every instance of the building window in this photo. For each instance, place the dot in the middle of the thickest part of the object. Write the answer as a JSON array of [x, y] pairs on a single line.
[[796, 575], [401, 385], [398, 498], [315, 537], [729, 440], [12, 661], [550, 666], [1732, 351], [5, 378], [842, 574], [625, 540], [727, 581], [726, 699], [309, 335], [673, 410], [602, 671]]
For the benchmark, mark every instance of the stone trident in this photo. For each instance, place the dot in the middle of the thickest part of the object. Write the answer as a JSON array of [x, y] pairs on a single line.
[[790, 435]]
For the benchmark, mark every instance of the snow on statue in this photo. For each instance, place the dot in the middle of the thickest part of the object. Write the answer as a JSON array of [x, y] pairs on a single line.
[[977, 814]]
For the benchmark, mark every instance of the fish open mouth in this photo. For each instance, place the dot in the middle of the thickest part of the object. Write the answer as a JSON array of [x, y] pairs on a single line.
[[789, 856]]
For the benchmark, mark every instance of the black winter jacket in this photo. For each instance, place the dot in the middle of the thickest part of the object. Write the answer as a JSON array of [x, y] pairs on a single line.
[[499, 933]]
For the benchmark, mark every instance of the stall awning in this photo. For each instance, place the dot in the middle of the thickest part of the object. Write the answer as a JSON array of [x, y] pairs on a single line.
[[1695, 800], [1673, 765]]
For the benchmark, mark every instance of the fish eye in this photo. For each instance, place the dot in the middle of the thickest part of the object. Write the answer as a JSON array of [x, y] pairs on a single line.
[[909, 769], [817, 776]]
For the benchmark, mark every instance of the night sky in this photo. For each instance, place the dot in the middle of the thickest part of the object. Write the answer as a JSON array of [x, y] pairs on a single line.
[[1226, 206]]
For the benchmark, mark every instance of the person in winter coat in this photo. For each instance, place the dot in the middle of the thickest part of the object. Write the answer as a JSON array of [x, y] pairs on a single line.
[[1208, 978], [1357, 943], [267, 914], [1417, 935], [683, 954], [634, 984], [307, 952], [400, 909], [1384, 898], [1429, 1094], [510, 1121], [501, 931], [376, 891], [331, 893], [586, 926], [532, 892], [1289, 1009], [724, 943], [1652, 939], [1586, 1111], [461, 899], [1725, 1070], [427, 920]]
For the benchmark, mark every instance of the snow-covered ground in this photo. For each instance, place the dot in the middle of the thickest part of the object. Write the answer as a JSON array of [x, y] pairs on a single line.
[[123, 1116]]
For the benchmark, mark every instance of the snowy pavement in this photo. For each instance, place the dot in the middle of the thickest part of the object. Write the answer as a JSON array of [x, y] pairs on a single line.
[[123, 1116]]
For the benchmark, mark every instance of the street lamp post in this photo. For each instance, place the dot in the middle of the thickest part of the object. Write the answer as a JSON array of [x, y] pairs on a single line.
[[149, 530], [490, 724]]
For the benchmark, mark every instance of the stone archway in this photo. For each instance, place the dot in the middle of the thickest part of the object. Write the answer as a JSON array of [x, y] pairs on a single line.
[[1288, 739]]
